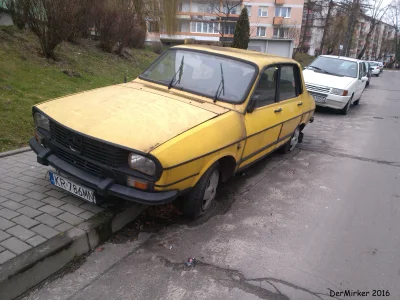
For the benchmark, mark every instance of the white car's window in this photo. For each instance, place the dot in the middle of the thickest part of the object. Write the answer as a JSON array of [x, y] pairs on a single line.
[[335, 66], [217, 77]]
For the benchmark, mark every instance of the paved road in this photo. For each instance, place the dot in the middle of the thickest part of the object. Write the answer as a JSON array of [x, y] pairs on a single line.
[[325, 217]]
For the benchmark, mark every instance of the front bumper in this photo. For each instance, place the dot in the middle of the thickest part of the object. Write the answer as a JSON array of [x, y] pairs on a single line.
[[375, 72], [334, 101], [104, 187]]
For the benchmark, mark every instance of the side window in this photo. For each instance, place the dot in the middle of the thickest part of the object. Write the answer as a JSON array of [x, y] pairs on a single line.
[[288, 85], [266, 89]]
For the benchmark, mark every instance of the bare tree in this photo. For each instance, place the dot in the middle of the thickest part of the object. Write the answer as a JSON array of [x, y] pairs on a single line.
[[376, 13], [17, 10], [52, 21], [225, 22]]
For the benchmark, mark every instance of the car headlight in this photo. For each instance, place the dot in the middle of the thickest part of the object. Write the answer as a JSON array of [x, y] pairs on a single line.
[[142, 164], [41, 121], [339, 92]]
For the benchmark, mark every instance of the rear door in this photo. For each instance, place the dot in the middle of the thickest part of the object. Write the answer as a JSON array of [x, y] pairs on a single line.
[[289, 98]]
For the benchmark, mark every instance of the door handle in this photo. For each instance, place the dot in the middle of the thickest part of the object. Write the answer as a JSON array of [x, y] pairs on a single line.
[[300, 103], [278, 109]]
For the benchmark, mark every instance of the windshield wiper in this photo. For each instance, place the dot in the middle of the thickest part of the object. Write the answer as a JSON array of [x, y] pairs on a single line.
[[322, 70], [221, 86], [180, 71]]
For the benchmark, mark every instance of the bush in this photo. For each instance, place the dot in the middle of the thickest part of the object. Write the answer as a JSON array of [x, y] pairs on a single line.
[[157, 47], [52, 21]]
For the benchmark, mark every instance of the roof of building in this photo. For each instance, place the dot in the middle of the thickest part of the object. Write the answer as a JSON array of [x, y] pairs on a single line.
[[259, 58]]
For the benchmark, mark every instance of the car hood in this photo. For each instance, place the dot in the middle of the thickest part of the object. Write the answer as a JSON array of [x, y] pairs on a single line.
[[311, 77], [129, 115]]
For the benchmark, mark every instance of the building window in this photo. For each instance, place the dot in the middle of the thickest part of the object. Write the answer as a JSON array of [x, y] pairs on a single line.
[[206, 8], [248, 7], [281, 33], [152, 26], [282, 12], [263, 11], [261, 31], [203, 27], [230, 9], [229, 28]]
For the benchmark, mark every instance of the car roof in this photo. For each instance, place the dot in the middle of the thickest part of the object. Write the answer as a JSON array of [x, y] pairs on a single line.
[[259, 58], [343, 58]]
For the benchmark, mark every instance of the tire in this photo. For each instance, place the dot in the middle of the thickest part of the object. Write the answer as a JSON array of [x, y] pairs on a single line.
[[356, 102], [345, 110], [291, 144], [195, 205], [377, 75], [367, 83]]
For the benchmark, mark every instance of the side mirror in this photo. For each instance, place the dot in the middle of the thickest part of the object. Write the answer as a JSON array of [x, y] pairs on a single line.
[[252, 106], [364, 79]]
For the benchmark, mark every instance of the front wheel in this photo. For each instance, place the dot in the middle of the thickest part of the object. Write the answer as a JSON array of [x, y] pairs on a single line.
[[345, 110], [199, 200]]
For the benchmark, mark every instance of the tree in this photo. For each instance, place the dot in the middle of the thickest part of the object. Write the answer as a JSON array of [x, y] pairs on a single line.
[[52, 21], [242, 31], [224, 10], [17, 11], [376, 13]]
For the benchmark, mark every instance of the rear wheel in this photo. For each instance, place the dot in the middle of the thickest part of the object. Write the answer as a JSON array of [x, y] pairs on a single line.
[[199, 200], [357, 102], [292, 143], [377, 75]]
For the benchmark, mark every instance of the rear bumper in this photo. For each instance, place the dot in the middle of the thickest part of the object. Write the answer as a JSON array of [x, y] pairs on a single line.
[[104, 187]]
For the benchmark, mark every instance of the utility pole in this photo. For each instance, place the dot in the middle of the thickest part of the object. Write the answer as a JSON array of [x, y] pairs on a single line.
[[397, 37]]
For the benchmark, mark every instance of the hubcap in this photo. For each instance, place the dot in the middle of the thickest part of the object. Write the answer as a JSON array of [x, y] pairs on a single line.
[[211, 190], [295, 139]]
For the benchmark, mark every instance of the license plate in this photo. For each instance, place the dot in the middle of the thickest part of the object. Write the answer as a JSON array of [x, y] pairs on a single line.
[[319, 99], [72, 187]]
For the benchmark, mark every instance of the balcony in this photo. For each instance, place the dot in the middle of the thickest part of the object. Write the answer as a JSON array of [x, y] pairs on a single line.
[[278, 20], [279, 2]]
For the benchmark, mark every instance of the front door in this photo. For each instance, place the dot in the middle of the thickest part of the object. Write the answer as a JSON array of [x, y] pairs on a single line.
[[278, 111], [360, 84]]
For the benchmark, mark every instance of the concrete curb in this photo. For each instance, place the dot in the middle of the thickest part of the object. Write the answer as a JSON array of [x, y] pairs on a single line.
[[16, 151], [32, 267]]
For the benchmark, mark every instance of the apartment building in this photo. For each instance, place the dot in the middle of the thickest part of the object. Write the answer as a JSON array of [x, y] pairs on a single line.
[[381, 46], [215, 20]]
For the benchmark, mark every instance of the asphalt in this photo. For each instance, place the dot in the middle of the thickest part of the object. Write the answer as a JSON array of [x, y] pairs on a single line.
[[324, 218]]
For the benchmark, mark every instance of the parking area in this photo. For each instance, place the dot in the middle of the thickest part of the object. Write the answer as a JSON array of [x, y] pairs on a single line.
[[322, 219]]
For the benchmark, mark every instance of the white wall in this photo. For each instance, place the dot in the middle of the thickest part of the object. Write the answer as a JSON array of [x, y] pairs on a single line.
[[273, 46]]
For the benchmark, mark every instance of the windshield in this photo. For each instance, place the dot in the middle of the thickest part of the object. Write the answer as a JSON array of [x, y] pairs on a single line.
[[213, 76], [335, 66]]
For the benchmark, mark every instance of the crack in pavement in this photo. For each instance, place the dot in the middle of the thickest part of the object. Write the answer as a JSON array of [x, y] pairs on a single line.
[[339, 154], [238, 280]]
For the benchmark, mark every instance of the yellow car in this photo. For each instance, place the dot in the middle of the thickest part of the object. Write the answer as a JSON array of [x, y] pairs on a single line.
[[195, 117]]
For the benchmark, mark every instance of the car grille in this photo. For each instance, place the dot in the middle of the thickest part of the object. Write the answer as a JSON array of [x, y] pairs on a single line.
[[86, 153], [318, 89]]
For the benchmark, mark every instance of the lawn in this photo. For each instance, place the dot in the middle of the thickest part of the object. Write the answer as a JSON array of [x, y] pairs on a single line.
[[26, 78], [304, 59]]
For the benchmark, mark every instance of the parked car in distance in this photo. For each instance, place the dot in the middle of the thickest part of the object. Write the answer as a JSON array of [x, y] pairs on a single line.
[[380, 66], [375, 70], [335, 82], [195, 117], [368, 70]]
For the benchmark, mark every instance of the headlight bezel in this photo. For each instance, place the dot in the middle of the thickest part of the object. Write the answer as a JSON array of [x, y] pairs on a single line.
[[143, 164]]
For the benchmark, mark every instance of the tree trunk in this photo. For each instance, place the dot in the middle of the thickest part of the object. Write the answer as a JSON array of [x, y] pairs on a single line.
[[367, 40], [328, 16]]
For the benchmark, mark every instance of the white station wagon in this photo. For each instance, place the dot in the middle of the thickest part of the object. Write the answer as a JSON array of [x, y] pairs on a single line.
[[336, 81]]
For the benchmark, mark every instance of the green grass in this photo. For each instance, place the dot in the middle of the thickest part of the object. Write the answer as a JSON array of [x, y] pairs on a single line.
[[26, 78], [304, 59]]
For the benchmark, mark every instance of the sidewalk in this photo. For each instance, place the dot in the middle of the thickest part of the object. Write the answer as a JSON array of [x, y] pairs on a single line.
[[33, 213]]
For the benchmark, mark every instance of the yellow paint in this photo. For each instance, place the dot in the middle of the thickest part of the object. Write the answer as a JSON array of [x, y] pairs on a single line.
[[187, 133]]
